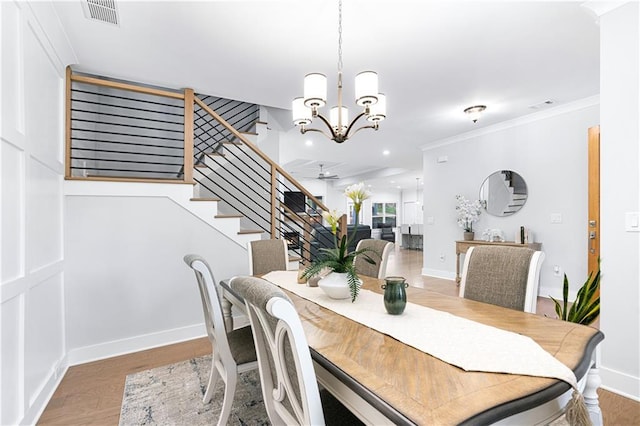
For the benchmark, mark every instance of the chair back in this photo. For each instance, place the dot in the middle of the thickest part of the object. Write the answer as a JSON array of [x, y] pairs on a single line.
[[502, 275], [267, 255], [211, 307], [287, 376], [381, 250]]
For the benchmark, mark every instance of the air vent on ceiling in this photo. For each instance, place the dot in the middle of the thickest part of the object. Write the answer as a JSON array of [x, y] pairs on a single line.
[[101, 10], [543, 104]]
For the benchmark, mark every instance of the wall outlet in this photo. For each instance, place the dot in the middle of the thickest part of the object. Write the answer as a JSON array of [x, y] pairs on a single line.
[[442, 257]]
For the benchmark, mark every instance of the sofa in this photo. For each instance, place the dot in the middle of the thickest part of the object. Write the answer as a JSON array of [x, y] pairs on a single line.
[[323, 238]]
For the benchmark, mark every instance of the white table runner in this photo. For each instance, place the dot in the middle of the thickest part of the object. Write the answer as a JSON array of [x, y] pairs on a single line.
[[467, 344]]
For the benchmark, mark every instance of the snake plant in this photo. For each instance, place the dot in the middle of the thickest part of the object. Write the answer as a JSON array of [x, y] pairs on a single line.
[[586, 308]]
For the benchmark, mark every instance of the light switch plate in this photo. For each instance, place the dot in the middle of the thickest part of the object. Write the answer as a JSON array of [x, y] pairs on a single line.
[[556, 217], [632, 221]]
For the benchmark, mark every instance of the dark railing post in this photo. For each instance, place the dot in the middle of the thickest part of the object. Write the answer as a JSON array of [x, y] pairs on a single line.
[[67, 160], [188, 135], [274, 207]]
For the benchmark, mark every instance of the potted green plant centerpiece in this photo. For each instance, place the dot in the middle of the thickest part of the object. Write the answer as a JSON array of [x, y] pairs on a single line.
[[338, 258], [468, 214]]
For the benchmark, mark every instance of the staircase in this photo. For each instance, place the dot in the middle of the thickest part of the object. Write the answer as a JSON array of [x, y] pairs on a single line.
[[204, 150]]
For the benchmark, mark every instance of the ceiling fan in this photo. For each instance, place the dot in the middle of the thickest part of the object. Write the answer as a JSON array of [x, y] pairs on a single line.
[[325, 175]]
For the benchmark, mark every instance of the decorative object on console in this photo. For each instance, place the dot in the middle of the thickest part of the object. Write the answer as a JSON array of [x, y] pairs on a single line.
[[339, 259], [305, 109], [523, 235], [468, 214], [395, 295], [493, 235]]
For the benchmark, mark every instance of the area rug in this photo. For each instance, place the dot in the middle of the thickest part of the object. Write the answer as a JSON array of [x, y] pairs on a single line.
[[172, 395]]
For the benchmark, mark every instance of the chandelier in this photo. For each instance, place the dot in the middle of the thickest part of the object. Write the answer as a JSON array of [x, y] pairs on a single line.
[[305, 109]]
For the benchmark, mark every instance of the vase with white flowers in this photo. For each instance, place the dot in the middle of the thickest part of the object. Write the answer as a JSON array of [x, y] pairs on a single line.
[[468, 214], [338, 258]]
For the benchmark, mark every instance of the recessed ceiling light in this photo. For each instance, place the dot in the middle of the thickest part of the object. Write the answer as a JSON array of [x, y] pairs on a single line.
[[308, 143], [386, 152]]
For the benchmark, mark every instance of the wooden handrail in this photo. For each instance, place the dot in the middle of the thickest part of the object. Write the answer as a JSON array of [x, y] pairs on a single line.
[[126, 86]]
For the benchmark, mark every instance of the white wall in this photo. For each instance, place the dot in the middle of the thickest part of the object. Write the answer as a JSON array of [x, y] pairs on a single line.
[[549, 150], [127, 287], [34, 53], [620, 193]]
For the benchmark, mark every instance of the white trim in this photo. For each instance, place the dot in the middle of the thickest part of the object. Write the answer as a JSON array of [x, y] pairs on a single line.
[[45, 393], [135, 344], [527, 119], [599, 7], [620, 383], [438, 273]]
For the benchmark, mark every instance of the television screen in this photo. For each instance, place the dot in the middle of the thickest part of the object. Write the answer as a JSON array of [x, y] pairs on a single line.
[[295, 201]]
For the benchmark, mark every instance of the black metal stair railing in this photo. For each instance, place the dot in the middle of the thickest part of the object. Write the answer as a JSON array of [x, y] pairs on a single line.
[[124, 131], [123, 134], [235, 170]]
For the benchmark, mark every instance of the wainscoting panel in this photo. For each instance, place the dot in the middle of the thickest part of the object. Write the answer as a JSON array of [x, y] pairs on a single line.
[[12, 177], [11, 367], [33, 353]]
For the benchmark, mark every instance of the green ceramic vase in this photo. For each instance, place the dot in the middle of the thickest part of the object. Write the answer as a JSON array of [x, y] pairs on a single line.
[[395, 296]]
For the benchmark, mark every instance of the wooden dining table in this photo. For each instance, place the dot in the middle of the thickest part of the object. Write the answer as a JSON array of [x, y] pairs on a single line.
[[385, 381]]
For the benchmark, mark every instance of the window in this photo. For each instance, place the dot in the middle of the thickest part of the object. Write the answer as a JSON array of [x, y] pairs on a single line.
[[383, 213], [352, 214]]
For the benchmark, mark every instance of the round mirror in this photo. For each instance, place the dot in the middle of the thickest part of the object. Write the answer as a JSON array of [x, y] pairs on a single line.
[[503, 193]]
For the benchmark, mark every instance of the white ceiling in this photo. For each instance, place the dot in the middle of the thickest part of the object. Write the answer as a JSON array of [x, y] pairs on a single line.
[[433, 58]]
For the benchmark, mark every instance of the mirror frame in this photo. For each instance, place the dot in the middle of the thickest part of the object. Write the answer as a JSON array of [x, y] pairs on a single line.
[[505, 203]]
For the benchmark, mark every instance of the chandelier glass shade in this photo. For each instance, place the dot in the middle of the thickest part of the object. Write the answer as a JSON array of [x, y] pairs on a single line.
[[338, 126]]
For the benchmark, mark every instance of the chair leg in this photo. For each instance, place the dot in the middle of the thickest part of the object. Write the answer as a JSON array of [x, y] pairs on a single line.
[[229, 393], [213, 378]]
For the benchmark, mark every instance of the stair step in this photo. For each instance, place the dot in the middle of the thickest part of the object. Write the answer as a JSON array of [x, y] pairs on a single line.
[[295, 258], [250, 231], [232, 142], [227, 216], [215, 154], [205, 199]]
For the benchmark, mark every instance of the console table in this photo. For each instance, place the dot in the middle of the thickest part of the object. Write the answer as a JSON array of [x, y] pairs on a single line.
[[463, 246]]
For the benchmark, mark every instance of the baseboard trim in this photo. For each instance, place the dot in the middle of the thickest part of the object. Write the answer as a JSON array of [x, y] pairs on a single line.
[[556, 293], [620, 383], [134, 344], [437, 273], [40, 402]]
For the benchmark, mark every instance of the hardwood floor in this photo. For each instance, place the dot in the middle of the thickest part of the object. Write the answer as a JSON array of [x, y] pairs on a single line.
[[91, 394]]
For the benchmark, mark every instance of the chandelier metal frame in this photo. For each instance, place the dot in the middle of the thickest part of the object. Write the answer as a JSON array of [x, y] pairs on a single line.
[[306, 108]]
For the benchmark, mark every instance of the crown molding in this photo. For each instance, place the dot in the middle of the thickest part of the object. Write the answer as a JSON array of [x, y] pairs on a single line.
[[599, 7], [530, 118]]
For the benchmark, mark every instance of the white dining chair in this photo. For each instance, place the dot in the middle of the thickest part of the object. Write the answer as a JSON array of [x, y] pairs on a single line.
[[233, 352], [381, 251], [267, 256], [288, 379], [502, 275]]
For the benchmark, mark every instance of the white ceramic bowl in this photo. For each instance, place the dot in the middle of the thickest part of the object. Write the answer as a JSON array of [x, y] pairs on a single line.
[[336, 286]]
